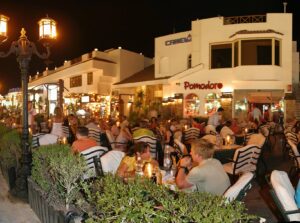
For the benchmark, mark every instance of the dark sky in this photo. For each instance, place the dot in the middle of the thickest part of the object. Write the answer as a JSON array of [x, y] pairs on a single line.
[[132, 24]]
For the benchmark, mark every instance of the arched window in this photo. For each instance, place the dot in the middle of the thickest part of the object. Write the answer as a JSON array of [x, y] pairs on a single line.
[[212, 103], [192, 105]]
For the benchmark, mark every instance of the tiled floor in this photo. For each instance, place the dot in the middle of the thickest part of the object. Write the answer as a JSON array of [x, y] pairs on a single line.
[[13, 210]]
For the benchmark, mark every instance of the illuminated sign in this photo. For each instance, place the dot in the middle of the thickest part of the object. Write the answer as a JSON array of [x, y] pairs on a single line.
[[202, 86], [179, 40]]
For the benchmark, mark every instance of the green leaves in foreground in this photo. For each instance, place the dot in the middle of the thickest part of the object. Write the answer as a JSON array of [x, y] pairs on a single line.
[[111, 200]]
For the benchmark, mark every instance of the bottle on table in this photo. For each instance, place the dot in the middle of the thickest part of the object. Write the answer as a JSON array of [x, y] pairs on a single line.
[[154, 177], [167, 158], [174, 167], [158, 175]]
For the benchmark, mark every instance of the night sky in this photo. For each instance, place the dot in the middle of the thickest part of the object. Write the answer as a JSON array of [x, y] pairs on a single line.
[[132, 24]]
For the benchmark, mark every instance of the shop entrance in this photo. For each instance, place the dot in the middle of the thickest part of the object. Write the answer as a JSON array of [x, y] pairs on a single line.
[[270, 103]]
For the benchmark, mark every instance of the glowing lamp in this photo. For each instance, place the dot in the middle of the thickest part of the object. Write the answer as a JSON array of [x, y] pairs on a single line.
[[3, 27], [47, 29]]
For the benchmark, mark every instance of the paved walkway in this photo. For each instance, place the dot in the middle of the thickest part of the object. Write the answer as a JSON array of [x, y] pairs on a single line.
[[13, 210]]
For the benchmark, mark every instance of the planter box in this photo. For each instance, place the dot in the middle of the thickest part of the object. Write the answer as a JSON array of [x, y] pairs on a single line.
[[45, 212], [9, 175]]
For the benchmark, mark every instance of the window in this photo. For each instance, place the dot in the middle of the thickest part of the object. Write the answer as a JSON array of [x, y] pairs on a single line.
[[189, 63], [90, 78], [236, 54], [221, 56], [192, 105], [212, 103], [277, 53], [76, 81], [256, 52]]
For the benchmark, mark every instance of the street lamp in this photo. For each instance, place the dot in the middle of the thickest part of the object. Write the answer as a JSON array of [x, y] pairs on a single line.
[[24, 49]]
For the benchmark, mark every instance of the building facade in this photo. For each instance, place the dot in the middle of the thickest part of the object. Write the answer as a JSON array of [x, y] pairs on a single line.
[[87, 81], [232, 62]]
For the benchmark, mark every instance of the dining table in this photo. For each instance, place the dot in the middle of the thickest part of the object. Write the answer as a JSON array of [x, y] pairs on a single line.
[[225, 153]]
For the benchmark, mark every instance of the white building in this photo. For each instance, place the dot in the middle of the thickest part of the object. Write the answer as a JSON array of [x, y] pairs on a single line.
[[88, 79], [228, 61]]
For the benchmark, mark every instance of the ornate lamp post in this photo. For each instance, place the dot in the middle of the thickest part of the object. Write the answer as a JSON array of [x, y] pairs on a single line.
[[24, 49]]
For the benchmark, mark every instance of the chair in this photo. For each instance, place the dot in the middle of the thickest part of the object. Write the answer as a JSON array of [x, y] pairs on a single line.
[[294, 154], [262, 142], [239, 190], [92, 158], [35, 140], [256, 139], [151, 141], [111, 160], [247, 137], [245, 160], [288, 135], [190, 134], [66, 131], [112, 141], [95, 134], [283, 193]]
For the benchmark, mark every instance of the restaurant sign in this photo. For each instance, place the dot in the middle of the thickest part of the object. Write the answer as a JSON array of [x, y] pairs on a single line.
[[202, 86], [179, 40]]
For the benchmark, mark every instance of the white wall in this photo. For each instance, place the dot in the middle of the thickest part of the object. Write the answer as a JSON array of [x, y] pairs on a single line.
[[175, 54], [208, 31]]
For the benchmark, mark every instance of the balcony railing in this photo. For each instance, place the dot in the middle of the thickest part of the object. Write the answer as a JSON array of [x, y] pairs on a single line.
[[244, 19]]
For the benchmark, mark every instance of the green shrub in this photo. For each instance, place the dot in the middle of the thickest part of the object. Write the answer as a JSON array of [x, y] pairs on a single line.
[[58, 171], [10, 147], [111, 200]]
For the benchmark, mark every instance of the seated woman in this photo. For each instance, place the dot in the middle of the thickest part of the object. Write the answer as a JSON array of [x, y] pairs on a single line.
[[56, 131], [124, 137], [128, 164]]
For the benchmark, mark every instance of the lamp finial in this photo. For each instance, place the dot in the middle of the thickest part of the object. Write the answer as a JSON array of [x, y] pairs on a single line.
[[23, 32]]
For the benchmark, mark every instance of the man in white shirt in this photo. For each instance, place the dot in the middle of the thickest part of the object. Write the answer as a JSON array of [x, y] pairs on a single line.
[[31, 114], [216, 118], [256, 113]]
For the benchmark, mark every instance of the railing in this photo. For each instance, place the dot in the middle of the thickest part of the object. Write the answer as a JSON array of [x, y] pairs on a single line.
[[244, 19], [76, 60]]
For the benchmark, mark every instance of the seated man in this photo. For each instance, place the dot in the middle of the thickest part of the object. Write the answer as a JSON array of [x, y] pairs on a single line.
[[208, 176], [83, 142], [225, 130]]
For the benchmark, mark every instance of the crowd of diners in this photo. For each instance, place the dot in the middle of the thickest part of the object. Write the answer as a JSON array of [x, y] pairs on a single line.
[[197, 170]]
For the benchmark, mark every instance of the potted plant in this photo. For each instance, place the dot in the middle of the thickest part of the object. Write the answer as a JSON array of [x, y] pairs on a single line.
[[54, 183]]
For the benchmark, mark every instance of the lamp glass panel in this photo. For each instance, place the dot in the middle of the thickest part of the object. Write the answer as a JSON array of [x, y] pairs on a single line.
[[47, 28], [3, 26]]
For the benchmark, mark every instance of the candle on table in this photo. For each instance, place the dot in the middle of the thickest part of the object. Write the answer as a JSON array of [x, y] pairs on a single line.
[[64, 140], [228, 139], [149, 170]]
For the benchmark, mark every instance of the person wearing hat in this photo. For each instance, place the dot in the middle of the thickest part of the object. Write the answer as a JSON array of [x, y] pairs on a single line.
[[216, 118]]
